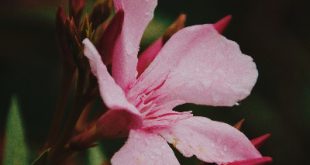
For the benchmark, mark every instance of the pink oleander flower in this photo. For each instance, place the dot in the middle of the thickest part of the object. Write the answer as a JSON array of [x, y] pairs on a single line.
[[196, 65]]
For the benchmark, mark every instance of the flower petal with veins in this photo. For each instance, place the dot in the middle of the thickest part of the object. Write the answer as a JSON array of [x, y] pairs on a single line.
[[112, 95], [144, 148], [198, 65], [210, 141], [138, 14]]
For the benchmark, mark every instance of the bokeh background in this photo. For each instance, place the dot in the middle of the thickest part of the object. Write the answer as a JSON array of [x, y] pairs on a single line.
[[275, 33]]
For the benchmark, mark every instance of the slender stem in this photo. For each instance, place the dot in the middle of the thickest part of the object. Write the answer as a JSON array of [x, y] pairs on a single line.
[[58, 117], [83, 119], [59, 151]]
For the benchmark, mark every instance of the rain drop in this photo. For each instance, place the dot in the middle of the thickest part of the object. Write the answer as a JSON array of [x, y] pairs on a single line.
[[225, 148]]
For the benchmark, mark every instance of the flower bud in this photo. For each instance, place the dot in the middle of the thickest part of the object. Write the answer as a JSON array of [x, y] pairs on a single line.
[[60, 18], [62, 36], [73, 32], [101, 13], [259, 141], [76, 8], [239, 124], [107, 41], [84, 140], [86, 29], [221, 25], [177, 25], [60, 25]]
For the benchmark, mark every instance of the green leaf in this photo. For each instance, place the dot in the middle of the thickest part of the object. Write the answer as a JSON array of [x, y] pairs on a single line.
[[15, 149], [95, 156]]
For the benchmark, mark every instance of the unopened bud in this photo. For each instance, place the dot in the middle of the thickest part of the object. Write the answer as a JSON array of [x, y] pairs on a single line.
[[86, 28], [74, 41], [76, 8], [73, 32], [62, 36], [259, 141], [221, 25], [60, 24], [239, 124], [107, 41], [177, 25], [60, 17], [152, 51], [253, 161], [101, 13], [84, 140]]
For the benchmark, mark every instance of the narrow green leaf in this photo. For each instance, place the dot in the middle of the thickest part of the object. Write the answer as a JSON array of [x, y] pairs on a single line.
[[95, 156], [15, 150]]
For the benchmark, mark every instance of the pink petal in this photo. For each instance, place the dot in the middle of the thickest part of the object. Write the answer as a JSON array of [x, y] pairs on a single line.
[[162, 120], [144, 148], [112, 95], [149, 54], [198, 65], [138, 14], [257, 161], [152, 51], [210, 141]]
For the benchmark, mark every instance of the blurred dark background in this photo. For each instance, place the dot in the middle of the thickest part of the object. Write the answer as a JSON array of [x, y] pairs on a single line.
[[275, 33]]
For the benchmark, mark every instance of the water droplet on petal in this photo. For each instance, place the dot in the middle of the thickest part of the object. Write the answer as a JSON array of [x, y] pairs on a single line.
[[225, 149]]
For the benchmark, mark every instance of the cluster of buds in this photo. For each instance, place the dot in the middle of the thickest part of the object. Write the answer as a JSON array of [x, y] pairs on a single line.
[[72, 27], [102, 26]]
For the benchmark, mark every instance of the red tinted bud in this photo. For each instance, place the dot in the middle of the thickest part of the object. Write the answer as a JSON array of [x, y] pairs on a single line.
[[239, 124], [259, 141], [73, 41], [84, 140], [76, 8], [60, 24], [100, 13], [60, 17], [73, 32], [86, 28], [255, 161], [62, 35], [107, 41], [221, 25], [177, 25]]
